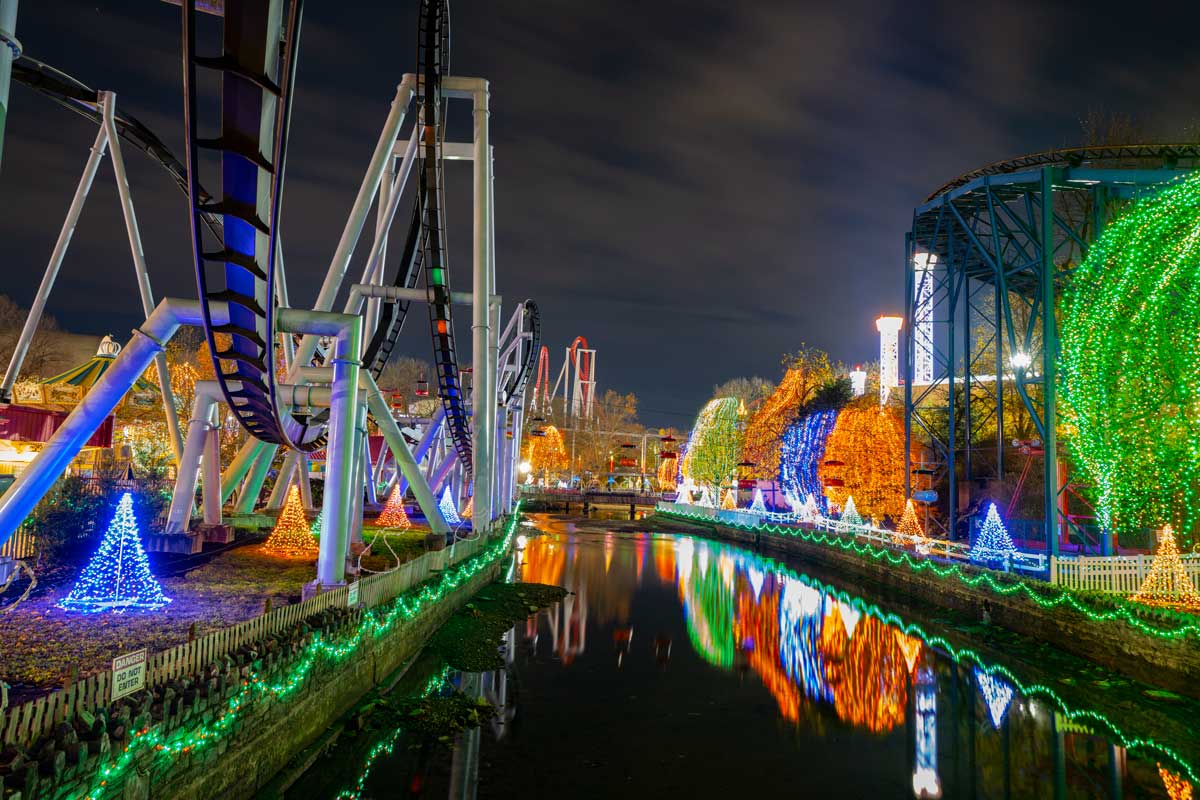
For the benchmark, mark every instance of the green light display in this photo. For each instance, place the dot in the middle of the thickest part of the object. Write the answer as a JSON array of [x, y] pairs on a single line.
[[1131, 364]]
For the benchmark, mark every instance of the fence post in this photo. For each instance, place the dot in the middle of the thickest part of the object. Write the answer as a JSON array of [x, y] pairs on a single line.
[[1053, 570]]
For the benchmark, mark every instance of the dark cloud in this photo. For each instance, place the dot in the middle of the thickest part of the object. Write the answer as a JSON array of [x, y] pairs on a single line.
[[697, 187]]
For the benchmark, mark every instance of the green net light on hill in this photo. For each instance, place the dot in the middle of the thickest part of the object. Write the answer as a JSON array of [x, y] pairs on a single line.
[[1131, 364]]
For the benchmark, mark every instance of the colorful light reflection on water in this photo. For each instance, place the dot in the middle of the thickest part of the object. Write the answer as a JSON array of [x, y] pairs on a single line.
[[821, 653]]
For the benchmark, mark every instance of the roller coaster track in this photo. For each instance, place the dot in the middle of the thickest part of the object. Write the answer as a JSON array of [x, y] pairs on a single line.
[[1145, 156], [256, 97], [78, 97], [433, 48], [516, 384]]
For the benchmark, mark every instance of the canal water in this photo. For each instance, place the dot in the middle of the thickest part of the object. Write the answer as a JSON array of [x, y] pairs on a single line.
[[681, 668]]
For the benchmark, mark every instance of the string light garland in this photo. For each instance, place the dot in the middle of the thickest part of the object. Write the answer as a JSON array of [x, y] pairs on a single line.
[[715, 444], [994, 543], [393, 514], [375, 622], [865, 452], [118, 577], [449, 508], [1168, 583], [1130, 370], [801, 451], [1058, 596], [291, 535]]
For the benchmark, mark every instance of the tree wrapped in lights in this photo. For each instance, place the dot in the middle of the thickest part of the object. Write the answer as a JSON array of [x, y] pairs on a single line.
[[1131, 367], [802, 450], [1168, 583], [866, 453], [449, 508], [993, 543], [850, 515], [766, 426], [715, 444], [292, 535], [118, 577], [393, 514], [668, 468], [315, 530], [547, 455]]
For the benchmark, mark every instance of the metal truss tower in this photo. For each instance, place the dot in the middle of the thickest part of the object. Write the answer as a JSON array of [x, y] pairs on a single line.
[[985, 263]]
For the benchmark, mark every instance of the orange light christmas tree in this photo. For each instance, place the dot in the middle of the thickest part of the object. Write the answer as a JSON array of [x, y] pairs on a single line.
[[910, 531], [865, 453], [1168, 583], [728, 502], [291, 535], [469, 509], [393, 514], [1177, 786]]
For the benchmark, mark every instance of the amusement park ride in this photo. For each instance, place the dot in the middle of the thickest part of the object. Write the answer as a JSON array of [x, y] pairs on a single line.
[[302, 379], [987, 256]]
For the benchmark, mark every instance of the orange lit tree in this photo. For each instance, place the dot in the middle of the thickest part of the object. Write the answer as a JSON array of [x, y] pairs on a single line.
[[547, 455], [292, 535], [668, 468], [867, 452]]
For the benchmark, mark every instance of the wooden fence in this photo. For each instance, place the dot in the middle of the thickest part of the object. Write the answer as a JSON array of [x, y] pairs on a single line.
[[19, 545], [24, 723], [1111, 574]]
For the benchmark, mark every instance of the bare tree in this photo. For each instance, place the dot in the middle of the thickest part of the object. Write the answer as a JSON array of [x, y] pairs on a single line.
[[44, 347]]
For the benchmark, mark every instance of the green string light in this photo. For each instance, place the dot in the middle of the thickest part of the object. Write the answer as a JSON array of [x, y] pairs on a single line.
[[388, 744], [1061, 598], [1131, 364], [375, 623]]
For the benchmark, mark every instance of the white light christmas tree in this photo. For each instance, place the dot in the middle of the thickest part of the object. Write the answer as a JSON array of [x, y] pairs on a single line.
[[758, 506], [850, 515], [994, 542], [997, 693], [449, 510], [705, 498], [118, 577]]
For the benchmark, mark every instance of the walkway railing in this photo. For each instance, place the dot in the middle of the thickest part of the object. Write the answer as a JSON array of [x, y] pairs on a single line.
[[880, 537], [23, 723], [1111, 574]]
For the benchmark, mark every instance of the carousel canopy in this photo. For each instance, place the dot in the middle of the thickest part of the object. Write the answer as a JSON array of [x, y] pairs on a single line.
[[86, 374]]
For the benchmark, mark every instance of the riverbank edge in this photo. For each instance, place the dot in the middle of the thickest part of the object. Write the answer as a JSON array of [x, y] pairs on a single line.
[[269, 740], [1168, 664]]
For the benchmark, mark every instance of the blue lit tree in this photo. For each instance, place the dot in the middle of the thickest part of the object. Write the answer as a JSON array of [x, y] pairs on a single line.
[[118, 577], [994, 543]]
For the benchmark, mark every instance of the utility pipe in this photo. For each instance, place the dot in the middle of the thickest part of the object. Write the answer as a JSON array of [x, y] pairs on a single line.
[[207, 395]]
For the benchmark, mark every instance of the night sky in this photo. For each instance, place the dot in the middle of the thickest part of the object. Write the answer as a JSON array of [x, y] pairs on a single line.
[[696, 187]]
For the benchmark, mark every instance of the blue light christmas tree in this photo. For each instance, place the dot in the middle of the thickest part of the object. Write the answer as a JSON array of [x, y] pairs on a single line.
[[993, 543], [118, 577], [997, 693], [449, 509]]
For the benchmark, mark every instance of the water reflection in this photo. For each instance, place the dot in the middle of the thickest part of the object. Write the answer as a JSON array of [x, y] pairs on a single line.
[[680, 667], [824, 656]]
